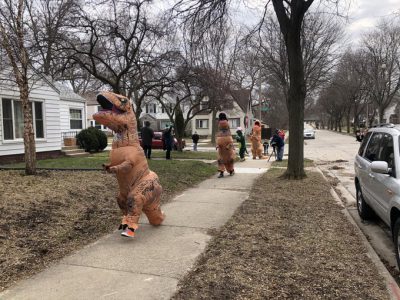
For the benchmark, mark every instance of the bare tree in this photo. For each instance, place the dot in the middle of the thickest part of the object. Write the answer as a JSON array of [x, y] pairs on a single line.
[[13, 39], [382, 50], [290, 15], [48, 21]]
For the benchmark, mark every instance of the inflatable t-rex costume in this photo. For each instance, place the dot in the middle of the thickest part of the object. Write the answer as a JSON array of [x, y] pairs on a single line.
[[255, 138], [139, 188], [226, 149]]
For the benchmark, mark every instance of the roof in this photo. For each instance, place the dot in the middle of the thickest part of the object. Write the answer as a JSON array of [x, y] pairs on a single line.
[[242, 98], [67, 93]]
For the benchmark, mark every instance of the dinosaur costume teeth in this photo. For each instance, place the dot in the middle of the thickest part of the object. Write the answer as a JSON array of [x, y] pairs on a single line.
[[226, 149], [255, 138], [139, 188]]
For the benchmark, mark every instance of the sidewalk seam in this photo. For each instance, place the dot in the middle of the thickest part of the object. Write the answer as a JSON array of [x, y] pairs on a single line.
[[123, 271]]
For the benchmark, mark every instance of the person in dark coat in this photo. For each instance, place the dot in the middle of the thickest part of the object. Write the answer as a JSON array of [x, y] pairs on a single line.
[[278, 142], [168, 141], [147, 139], [195, 139]]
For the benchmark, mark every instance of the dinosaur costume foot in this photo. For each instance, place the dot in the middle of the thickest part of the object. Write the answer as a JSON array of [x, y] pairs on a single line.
[[232, 172], [128, 232], [221, 174]]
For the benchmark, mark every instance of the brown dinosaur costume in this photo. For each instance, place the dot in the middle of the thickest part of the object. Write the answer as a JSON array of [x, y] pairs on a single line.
[[226, 149], [139, 188], [255, 138]]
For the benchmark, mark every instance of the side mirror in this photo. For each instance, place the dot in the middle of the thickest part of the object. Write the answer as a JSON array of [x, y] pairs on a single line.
[[380, 167]]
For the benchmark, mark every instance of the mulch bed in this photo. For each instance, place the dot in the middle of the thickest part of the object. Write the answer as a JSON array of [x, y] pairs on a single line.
[[289, 240]]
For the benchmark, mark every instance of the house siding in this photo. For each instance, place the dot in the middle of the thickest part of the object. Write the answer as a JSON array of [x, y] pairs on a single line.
[[51, 113]]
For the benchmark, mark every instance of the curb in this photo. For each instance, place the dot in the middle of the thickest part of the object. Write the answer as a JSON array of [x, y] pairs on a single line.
[[391, 285]]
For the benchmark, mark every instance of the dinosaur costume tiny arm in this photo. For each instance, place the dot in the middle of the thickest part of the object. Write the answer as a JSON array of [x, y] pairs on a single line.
[[124, 167]]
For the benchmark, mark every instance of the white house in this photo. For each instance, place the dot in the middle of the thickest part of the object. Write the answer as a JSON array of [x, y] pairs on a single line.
[[56, 110], [236, 109]]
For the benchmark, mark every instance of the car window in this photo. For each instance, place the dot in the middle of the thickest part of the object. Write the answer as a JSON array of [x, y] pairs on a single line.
[[372, 151], [386, 151], [364, 143]]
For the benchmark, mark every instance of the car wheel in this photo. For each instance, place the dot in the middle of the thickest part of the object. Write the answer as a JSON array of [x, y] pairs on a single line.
[[364, 210], [396, 240]]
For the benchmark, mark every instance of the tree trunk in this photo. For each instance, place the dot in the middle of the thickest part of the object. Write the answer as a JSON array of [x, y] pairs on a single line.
[[297, 95], [213, 125], [348, 123], [29, 135], [380, 115]]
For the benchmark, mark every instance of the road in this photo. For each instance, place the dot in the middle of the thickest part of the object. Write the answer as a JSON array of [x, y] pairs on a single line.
[[334, 154]]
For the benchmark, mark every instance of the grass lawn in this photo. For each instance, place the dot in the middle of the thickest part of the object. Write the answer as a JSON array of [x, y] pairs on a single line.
[[94, 161], [47, 216]]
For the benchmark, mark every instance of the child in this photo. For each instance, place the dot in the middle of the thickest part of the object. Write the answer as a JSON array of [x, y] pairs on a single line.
[[242, 143], [266, 146]]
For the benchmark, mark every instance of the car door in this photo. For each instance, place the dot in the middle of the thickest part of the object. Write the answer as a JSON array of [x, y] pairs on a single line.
[[370, 155], [383, 185]]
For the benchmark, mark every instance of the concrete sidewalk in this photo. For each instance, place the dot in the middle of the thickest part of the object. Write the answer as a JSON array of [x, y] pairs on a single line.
[[150, 265]]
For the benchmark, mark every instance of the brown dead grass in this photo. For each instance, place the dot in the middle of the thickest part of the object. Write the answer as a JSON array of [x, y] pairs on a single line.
[[289, 240]]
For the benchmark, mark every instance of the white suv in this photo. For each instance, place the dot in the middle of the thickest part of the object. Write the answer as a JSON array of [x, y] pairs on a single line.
[[377, 179]]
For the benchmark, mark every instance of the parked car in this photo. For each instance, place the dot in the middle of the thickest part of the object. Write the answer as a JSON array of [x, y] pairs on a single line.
[[377, 180], [157, 142], [309, 132]]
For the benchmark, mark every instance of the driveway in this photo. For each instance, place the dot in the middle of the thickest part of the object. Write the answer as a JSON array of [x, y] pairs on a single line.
[[334, 154]]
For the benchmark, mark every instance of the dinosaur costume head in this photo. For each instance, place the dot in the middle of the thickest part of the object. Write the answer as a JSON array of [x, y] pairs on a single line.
[[118, 115]]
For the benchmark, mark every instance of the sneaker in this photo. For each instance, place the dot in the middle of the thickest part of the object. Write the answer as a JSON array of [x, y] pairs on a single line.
[[128, 232], [232, 172], [242, 159], [221, 174]]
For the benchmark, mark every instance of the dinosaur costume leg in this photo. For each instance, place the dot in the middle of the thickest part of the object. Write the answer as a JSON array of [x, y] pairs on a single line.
[[221, 165], [145, 197]]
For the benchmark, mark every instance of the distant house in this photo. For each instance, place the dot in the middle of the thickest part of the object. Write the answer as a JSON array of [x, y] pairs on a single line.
[[56, 110], [392, 113]]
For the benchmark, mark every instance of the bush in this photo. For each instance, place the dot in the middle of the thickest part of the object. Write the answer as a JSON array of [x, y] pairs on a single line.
[[92, 139]]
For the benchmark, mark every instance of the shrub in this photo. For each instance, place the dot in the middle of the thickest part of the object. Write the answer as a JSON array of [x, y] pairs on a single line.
[[92, 139]]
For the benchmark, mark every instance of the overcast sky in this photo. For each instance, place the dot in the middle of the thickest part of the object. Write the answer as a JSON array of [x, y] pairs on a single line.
[[365, 14]]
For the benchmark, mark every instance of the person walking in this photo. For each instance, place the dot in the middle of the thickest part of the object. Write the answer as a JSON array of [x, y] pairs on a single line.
[[195, 139], [278, 142], [147, 139], [168, 141], [242, 143]]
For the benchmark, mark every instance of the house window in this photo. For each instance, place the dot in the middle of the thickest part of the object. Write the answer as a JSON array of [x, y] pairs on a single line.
[[38, 119], [75, 118], [234, 123], [151, 108], [13, 119], [202, 123], [394, 119]]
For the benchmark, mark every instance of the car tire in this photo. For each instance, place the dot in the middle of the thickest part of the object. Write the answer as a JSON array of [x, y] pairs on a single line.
[[396, 240], [364, 210]]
